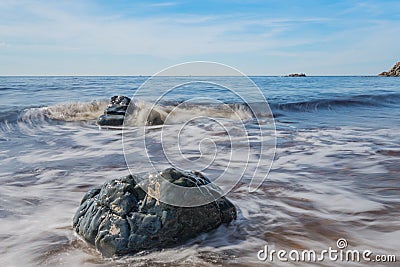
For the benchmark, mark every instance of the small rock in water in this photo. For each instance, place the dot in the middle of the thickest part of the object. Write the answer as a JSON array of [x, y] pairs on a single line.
[[115, 110], [111, 120], [119, 100], [114, 114], [120, 218]]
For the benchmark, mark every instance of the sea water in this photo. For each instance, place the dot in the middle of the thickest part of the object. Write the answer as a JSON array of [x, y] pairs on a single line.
[[335, 171]]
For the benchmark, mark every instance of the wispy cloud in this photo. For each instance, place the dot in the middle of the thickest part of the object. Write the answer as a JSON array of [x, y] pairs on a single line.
[[161, 36], [83, 30], [163, 4]]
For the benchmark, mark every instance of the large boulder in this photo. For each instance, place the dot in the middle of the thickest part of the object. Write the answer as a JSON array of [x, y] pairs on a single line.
[[120, 218], [395, 71]]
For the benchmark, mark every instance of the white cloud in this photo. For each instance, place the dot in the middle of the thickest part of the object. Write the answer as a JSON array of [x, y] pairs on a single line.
[[78, 29], [163, 4], [59, 26], [57, 29]]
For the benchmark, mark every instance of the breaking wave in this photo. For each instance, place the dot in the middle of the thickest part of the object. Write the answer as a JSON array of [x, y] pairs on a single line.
[[334, 103], [71, 111], [174, 112], [170, 113]]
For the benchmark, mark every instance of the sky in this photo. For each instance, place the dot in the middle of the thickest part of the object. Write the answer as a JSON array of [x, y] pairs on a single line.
[[123, 37]]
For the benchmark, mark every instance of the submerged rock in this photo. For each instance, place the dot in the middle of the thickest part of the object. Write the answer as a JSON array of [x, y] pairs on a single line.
[[114, 114], [395, 71], [119, 100], [120, 218], [111, 120]]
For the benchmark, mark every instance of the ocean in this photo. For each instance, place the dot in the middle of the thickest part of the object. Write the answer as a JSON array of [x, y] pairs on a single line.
[[335, 172]]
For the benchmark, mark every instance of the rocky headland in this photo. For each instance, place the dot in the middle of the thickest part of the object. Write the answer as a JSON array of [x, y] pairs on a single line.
[[296, 75], [393, 72]]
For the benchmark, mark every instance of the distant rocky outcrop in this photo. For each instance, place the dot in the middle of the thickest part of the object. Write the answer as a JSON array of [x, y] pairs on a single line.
[[296, 75], [120, 218], [394, 72]]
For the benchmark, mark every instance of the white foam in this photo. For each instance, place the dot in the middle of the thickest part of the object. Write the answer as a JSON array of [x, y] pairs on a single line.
[[70, 111]]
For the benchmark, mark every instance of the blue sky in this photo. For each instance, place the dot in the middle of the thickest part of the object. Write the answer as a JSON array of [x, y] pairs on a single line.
[[142, 37]]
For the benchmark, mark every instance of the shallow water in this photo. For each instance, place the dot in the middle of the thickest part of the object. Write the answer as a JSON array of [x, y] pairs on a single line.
[[335, 173]]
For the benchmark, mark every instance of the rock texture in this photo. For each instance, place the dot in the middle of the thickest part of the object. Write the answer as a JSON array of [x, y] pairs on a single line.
[[395, 71], [115, 112], [120, 218]]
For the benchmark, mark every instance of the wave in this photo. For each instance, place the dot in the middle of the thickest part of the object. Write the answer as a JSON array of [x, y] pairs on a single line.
[[177, 113], [10, 115], [71, 111], [86, 111], [332, 103]]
